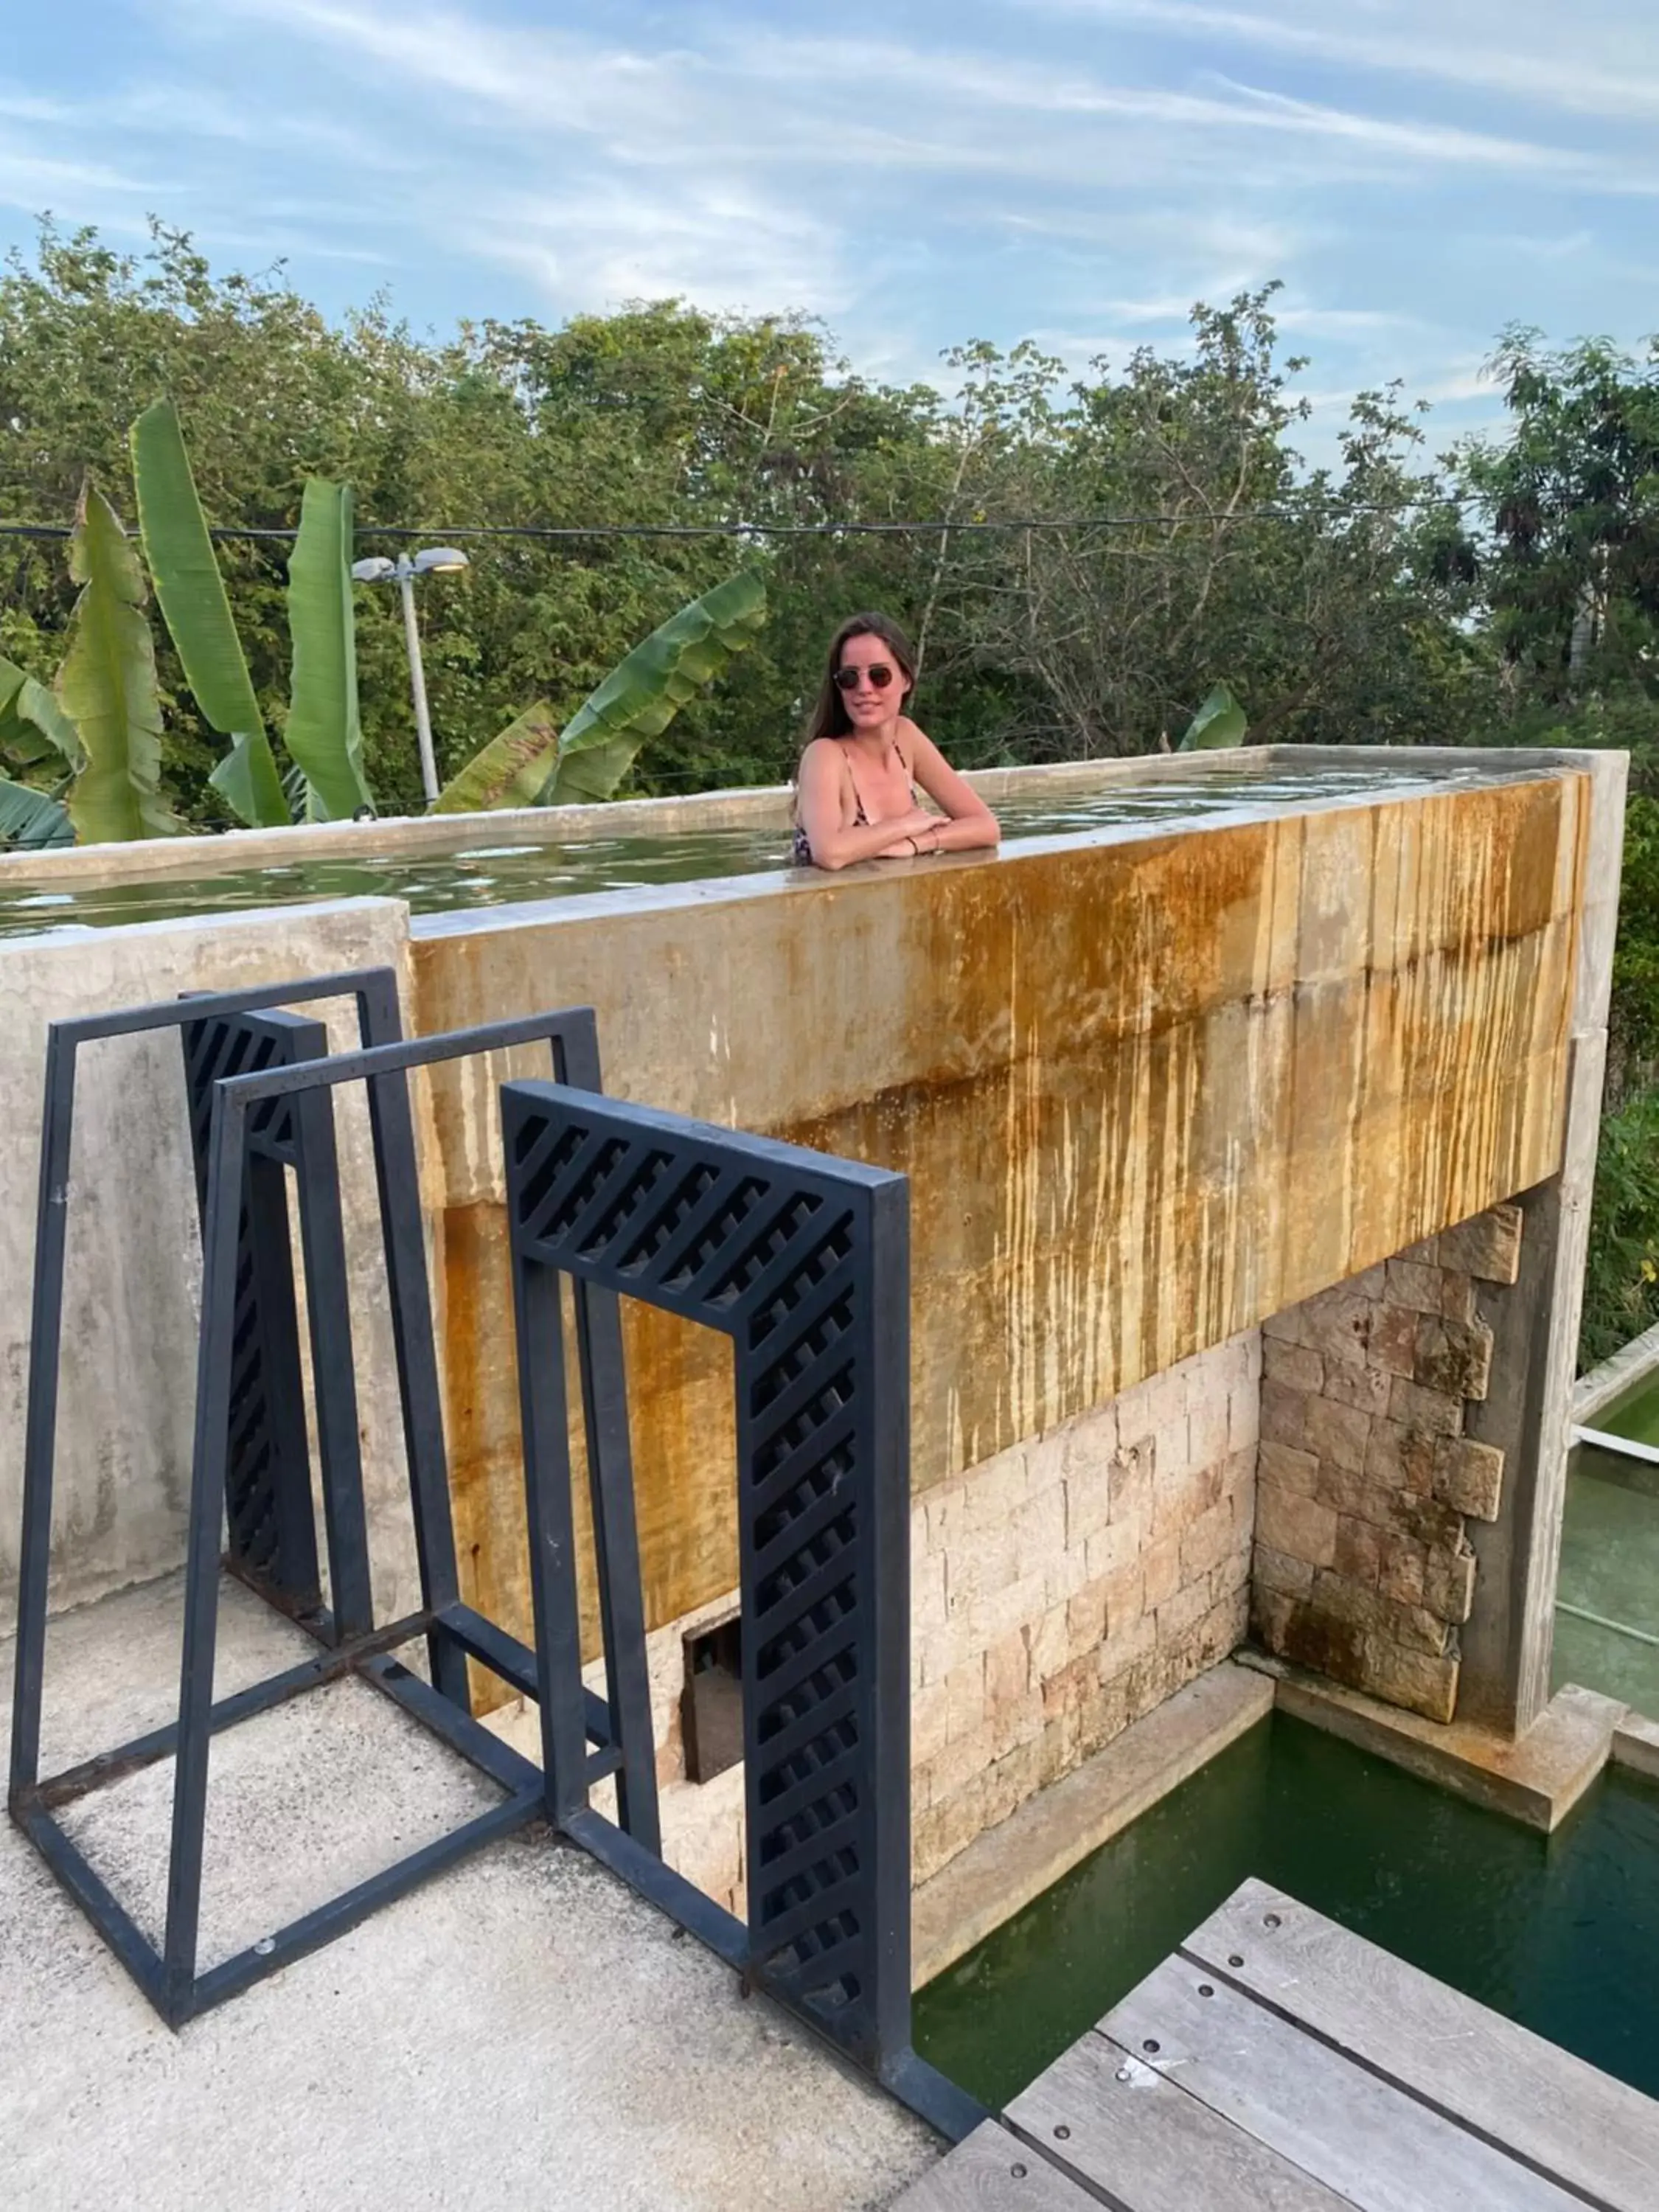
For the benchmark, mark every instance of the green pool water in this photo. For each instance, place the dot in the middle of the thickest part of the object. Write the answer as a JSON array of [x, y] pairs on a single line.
[[1636, 1416], [1560, 1933], [1607, 1618], [490, 870]]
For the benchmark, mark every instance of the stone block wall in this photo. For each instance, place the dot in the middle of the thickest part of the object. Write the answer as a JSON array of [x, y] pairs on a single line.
[[1363, 1568], [1064, 1587], [1059, 1591]]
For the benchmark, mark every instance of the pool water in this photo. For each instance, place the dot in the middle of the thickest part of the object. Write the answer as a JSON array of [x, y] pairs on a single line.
[[1560, 1933], [1637, 1416], [489, 871]]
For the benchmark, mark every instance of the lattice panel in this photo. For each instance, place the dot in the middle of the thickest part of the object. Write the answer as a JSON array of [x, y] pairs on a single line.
[[775, 1247], [271, 1529]]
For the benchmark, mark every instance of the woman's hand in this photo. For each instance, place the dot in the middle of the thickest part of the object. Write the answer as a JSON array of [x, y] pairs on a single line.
[[913, 834], [967, 825]]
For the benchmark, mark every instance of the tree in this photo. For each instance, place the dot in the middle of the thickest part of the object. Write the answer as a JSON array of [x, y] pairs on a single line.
[[1571, 503], [1217, 554]]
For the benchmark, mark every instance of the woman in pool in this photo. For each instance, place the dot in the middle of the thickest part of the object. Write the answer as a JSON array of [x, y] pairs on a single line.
[[866, 767]]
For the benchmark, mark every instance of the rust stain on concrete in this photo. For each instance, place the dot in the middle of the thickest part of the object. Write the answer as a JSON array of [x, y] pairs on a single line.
[[1147, 1092]]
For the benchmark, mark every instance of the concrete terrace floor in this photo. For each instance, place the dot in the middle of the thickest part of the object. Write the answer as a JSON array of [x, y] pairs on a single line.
[[522, 2033]]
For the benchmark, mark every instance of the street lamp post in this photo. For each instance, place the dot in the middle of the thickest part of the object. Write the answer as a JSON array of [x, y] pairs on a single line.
[[435, 561]]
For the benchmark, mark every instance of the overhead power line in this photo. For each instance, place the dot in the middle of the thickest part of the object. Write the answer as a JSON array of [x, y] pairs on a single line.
[[444, 533]]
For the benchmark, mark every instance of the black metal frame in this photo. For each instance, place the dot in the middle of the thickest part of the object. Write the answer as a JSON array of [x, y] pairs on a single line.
[[803, 1261], [278, 1114]]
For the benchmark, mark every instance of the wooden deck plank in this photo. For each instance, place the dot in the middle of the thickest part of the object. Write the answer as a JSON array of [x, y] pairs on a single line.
[[1370, 2142], [992, 2171], [1149, 2147], [1593, 2134]]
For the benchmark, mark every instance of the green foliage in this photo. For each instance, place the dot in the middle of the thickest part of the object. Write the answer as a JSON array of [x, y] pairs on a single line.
[[512, 770], [29, 821], [1570, 496], [323, 733], [1038, 648], [640, 698], [1220, 723], [33, 727], [192, 594], [1356, 602], [107, 685], [1634, 1022], [531, 763], [1621, 1284]]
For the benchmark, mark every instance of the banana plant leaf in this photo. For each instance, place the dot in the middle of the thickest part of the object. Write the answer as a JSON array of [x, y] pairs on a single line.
[[107, 685], [29, 821], [1219, 724], [33, 727], [191, 594], [531, 763], [323, 733], [642, 695], [510, 771]]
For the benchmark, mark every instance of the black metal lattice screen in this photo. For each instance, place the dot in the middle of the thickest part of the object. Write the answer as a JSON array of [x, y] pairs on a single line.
[[803, 1261], [270, 1529]]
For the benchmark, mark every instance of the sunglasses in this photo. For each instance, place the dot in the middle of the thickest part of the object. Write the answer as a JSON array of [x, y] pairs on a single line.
[[880, 676]]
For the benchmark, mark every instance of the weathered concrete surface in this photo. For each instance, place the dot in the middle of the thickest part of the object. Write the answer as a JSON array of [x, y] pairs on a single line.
[[1149, 1088], [133, 1282], [1536, 1778], [1636, 1745], [1528, 1413], [521, 2033], [1052, 1833], [1599, 1393]]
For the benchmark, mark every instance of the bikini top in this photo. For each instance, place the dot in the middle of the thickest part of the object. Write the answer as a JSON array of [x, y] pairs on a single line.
[[861, 819]]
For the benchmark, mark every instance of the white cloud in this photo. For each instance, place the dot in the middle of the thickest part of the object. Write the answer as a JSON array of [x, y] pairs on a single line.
[[716, 242], [1595, 59], [34, 181]]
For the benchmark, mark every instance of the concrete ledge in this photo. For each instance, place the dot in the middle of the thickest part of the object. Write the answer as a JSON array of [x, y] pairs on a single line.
[[1002, 1870], [1598, 1392], [1636, 1745], [1536, 1778]]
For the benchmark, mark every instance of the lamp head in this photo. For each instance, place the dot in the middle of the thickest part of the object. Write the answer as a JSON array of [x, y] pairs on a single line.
[[438, 560], [375, 570]]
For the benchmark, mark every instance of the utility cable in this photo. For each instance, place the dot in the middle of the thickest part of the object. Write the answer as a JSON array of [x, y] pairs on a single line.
[[449, 532]]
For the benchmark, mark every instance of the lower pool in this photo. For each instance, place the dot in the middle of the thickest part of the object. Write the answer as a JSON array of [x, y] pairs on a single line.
[[1607, 1614], [1560, 1933]]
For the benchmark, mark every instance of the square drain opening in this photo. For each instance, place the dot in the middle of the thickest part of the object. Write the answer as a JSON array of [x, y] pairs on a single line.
[[711, 1706]]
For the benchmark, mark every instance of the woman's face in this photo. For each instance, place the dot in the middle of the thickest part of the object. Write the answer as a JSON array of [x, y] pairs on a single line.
[[870, 701]]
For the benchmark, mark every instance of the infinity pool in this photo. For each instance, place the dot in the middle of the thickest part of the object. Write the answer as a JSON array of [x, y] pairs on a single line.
[[484, 869]]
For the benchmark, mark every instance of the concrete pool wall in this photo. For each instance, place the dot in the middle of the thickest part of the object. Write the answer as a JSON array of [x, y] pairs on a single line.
[[1154, 1087]]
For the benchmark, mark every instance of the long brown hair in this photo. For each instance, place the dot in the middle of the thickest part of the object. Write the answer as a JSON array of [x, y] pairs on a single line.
[[830, 718]]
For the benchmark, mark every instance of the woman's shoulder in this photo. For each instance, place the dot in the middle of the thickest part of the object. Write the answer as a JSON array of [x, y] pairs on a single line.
[[824, 755]]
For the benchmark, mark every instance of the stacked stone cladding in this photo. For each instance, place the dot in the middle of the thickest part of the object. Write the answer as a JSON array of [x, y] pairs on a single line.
[[1059, 1592], [1064, 1589], [1363, 1568]]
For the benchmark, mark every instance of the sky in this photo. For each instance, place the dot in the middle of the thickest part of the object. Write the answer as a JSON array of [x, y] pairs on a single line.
[[1418, 173]]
